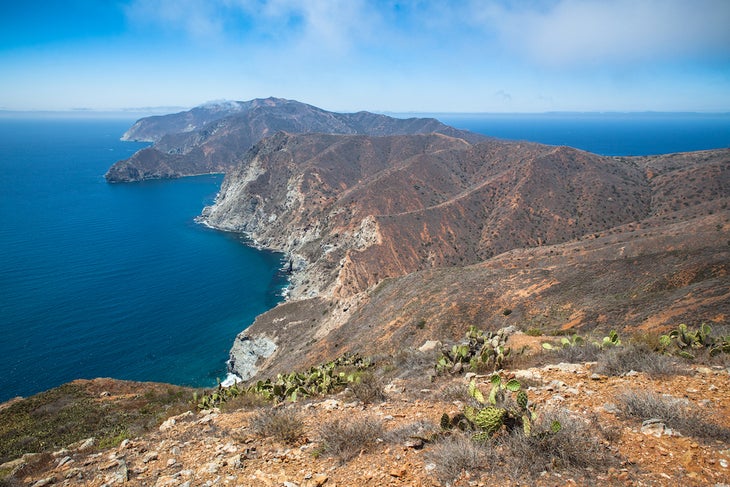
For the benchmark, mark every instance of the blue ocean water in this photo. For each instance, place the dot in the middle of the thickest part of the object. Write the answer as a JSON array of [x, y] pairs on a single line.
[[609, 134], [113, 280], [101, 280]]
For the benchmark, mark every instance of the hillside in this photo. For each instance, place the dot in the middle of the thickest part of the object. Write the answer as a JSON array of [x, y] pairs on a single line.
[[627, 417], [215, 137], [400, 236], [384, 233]]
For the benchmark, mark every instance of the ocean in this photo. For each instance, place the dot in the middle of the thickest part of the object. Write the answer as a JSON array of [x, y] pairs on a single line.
[[117, 280], [114, 280]]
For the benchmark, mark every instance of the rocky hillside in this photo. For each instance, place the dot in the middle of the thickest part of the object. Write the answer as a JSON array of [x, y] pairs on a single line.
[[215, 137], [627, 417], [399, 239]]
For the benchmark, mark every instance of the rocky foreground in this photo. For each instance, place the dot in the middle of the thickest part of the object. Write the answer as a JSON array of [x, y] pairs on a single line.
[[392, 436]]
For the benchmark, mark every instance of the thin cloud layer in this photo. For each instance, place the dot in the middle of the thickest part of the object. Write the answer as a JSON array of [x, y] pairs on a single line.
[[571, 32], [428, 55]]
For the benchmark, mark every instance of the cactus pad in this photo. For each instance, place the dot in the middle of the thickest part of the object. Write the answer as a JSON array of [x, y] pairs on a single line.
[[522, 399], [490, 419]]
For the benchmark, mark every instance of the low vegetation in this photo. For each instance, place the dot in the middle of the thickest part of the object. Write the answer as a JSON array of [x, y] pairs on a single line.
[[344, 439], [497, 432], [678, 414], [283, 424], [67, 414]]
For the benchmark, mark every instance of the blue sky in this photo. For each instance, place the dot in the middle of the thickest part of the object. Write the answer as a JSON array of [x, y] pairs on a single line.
[[347, 55]]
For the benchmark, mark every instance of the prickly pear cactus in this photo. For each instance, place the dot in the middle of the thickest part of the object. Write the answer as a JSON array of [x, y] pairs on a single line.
[[521, 399], [490, 419], [683, 339], [480, 351]]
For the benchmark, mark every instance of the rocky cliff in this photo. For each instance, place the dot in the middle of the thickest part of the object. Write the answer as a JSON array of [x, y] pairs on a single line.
[[386, 233], [215, 137]]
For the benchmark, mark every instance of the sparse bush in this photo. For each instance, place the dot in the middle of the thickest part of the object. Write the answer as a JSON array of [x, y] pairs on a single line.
[[620, 360], [421, 429], [575, 447], [454, 392], [677, 414], [283, 424], [456, 455], [408, 363], [368, 388], [585, 352], [245, 400], [344, 439]]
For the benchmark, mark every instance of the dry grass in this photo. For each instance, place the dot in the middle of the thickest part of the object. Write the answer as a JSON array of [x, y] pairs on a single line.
[[421, 429], [245, 400], [620, 360], [368, 388], [575, 448], [346, 438], [455, 456], [283, 424], [677, 414], [577, 354]]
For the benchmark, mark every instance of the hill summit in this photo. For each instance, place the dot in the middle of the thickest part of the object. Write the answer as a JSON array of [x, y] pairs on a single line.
[[214, 137]]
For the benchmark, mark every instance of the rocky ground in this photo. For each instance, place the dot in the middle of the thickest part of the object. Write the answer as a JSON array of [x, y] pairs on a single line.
[[235, 447]]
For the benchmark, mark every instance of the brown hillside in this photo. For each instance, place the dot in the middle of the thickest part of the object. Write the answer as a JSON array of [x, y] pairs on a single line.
[[590, 241]]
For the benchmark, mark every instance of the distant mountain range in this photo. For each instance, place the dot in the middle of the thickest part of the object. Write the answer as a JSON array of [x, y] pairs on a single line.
[[213, 138], [401, 231]]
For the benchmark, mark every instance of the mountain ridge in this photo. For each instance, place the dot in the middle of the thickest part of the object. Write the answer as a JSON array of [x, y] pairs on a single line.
[[409, 204], [212, 138]]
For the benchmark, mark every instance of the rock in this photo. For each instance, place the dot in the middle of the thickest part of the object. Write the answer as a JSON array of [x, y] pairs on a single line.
[[415, 443], [398, 472], [44, 482], [656, 427], [64, 461], [555, 385], [595, 376], [171, 462], [246, 352], [429, 346], [150, 456], [209, 468], [234, 461], [610, 407], [528, 374], [394, 387], [121, 474], [82, 445], [320, 479], [331, 404], [168, 424]]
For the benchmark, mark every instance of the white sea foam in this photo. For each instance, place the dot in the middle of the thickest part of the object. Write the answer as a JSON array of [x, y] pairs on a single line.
[[230, 380]]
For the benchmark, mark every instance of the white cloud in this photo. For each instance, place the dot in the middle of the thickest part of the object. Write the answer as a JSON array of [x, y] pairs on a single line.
[[568, 32], [197, 18]]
